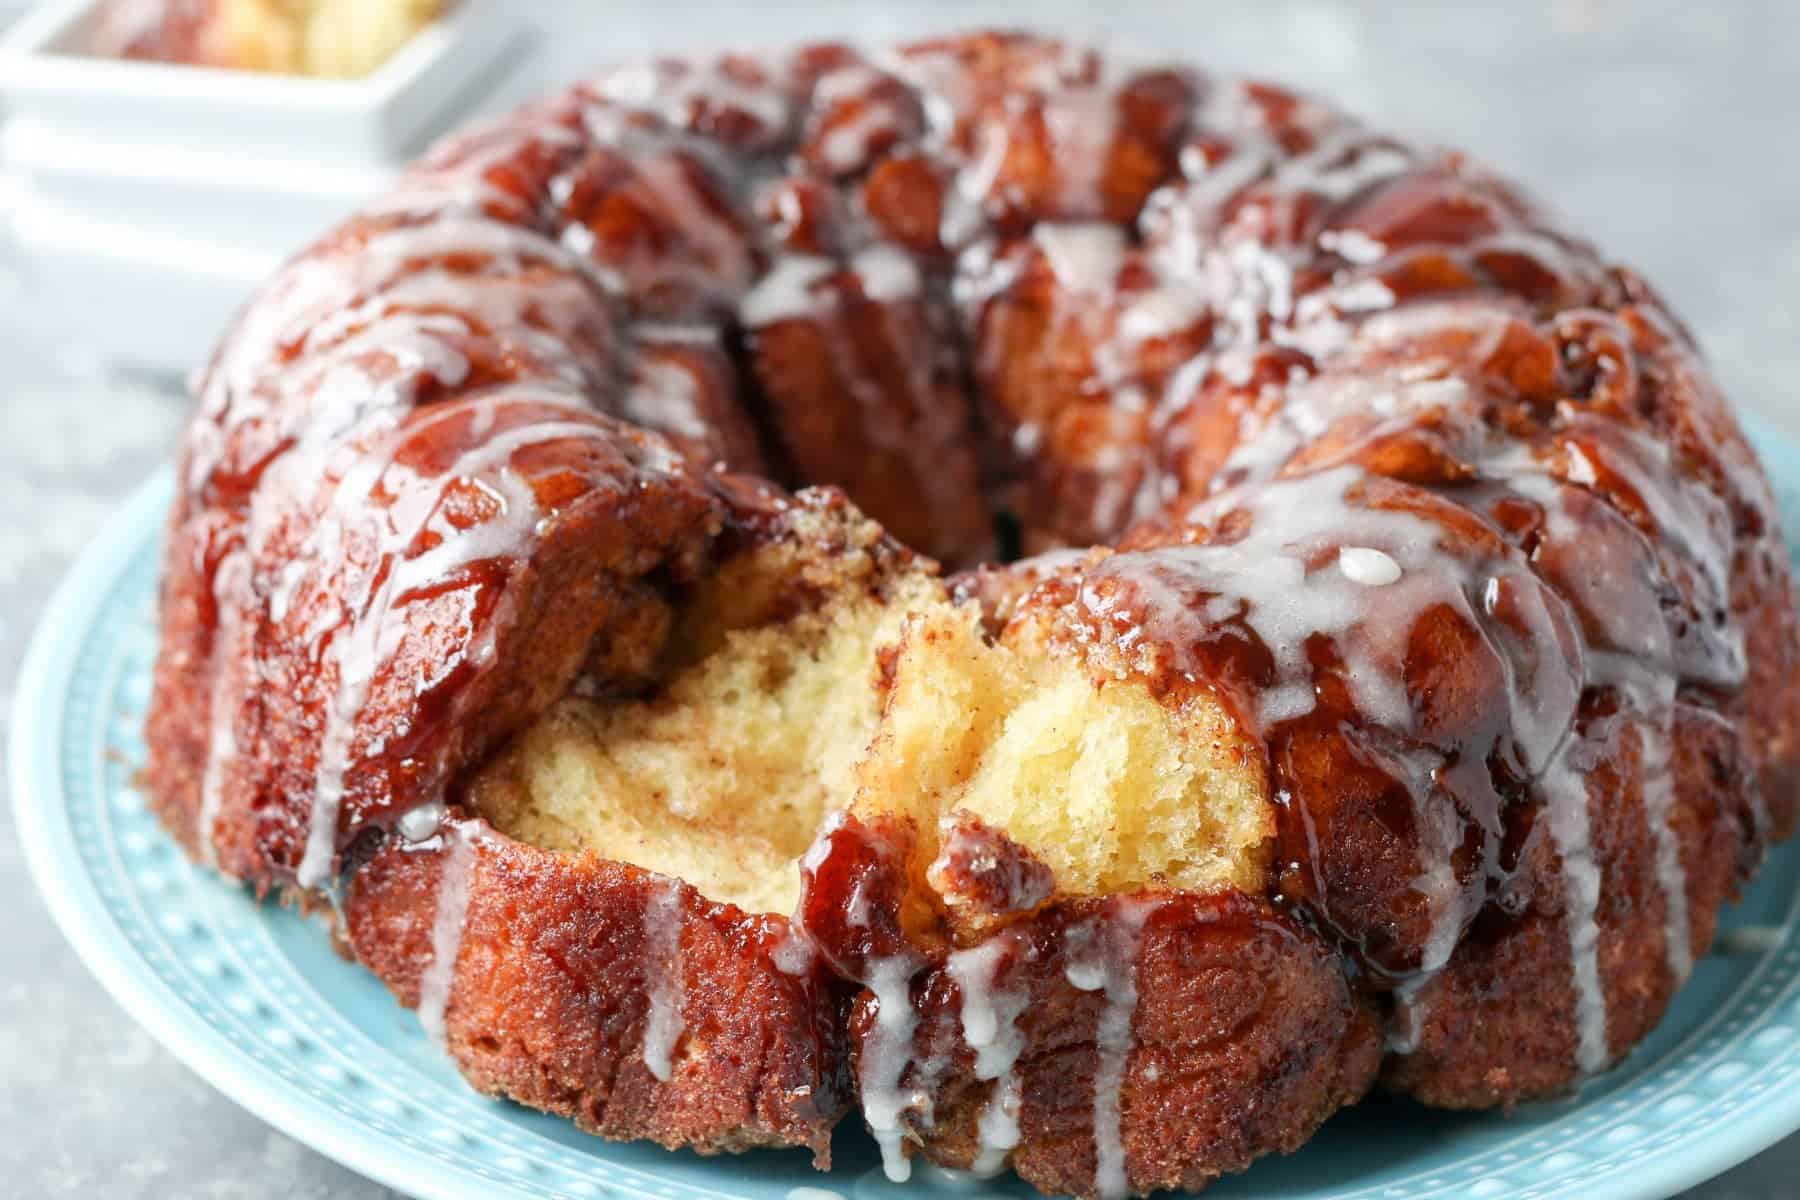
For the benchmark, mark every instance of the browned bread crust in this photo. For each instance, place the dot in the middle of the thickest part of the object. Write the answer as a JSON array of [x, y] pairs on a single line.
[[559, 966], [1229, 1028]]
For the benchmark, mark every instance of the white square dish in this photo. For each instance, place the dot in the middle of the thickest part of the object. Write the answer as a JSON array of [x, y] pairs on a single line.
[[382, 118], [151, 199]]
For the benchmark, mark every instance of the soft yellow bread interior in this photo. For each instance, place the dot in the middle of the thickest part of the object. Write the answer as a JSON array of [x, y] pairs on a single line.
[[721, 777], [877, 691], [1108, 785]]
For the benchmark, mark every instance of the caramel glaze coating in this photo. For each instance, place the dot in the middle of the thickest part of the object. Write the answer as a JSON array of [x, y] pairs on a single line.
[[1609, 545], [1442, 505], [1496, 1028], [472, 645], [551, 997]]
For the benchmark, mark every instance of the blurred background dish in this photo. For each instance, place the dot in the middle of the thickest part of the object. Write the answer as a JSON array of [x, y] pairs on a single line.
[[1659, 128], [332, 38], [150, 198]]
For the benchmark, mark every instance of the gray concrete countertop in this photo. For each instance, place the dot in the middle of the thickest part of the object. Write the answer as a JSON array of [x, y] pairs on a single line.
[[1664, 130]]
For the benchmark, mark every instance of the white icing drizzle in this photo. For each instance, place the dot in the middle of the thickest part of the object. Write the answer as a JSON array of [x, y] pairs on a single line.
[[454, 177], [856, 911], [1566, 795], [1266, 580], [787, 291], [1563, 786], [1160, 312], [794, 954], [389, 255], [887, 1052], [820, 850], [1344, 162], [1081, 123], [421, 822], [1075, 90], [1695, 519], [1671, 875], [664, 1025], [367, 635], [964, 219], [1371, 568], [362, 646], [665, 396], [1650, 683], [384, 287], [448, 920], [1353, 246], [1086, 976], [1084, 256], [990, 1027], [1080, 90], [685, 92], [1406, 1027], [1086, 259], [1447, 901], [846, 145], [887, 273], [1106, 950], [563, 316], [1115, 1044], [997, 1130], [1646, 676], [720, 242], [231, 596], [944, 84], [416, 343]]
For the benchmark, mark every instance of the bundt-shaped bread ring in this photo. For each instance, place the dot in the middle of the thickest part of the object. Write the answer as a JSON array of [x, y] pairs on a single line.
[[1400, 679]]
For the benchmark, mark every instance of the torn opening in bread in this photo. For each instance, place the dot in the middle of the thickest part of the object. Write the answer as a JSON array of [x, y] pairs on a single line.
[[808, 675]]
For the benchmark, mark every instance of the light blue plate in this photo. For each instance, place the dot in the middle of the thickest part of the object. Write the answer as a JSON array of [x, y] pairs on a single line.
[[255, 1000]]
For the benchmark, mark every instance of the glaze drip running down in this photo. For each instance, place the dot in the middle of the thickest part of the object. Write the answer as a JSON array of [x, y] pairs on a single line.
[[1414, 527], [990, 1015], [1107, 964], [662, 923], [449, 913], [886, 1057]]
